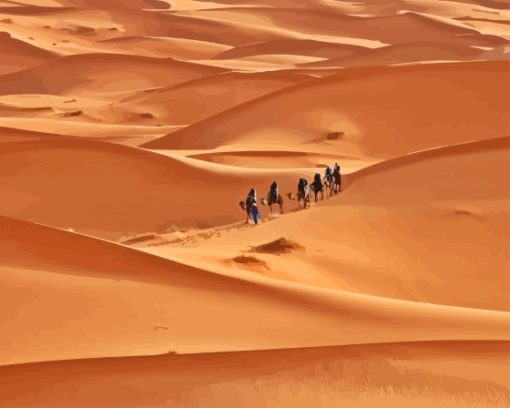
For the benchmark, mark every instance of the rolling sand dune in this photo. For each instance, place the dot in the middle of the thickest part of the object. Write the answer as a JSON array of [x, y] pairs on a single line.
[[101, 73], [8, 135], [220, 32], [18, 55], [124, 302], [462, 191], [196, 100], [361, 375], [293, 46], [110, 190], [416, 27], [161, 47], [130, 133], [350, 104], [403, 53]]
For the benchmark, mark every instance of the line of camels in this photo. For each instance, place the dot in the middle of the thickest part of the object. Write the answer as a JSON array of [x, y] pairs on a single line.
[[326, 188]]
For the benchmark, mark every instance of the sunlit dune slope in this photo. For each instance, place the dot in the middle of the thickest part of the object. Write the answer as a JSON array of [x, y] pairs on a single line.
[[445, 374], [179, 48], [406, 27], [108, 300], [378, 111], [403, 53], [430, 227]]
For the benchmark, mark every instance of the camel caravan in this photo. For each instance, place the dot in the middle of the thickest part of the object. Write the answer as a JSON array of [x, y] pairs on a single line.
[[326, 187]]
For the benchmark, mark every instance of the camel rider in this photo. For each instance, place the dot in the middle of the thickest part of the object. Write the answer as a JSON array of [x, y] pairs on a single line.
[[338, 179], [274, 191], [302, 184], [317, 182], [251, 200], [328, 173]]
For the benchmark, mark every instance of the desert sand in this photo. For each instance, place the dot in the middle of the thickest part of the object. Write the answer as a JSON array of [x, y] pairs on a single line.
[[131, 130]]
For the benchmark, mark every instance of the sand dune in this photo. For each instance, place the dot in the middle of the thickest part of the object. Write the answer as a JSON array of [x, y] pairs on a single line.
[[18, 55], [100, 305], [417, 27], [196, 100], [403, 53], [457, 374], [444, 107], [129, 277], [270, 159], [101, 73], [161, 47], [111, 190], [118, 4], [220, 32], [462, 191], [9, 135], [293, 46]]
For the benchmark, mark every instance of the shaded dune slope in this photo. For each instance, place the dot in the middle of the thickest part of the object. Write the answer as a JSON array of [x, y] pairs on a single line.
[[18, 55], [109, 190], [283, 378], [101, 73]]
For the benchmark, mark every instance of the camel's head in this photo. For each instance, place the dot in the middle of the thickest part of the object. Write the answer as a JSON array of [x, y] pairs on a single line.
[[243, 205], [263, 201], [291, 196]]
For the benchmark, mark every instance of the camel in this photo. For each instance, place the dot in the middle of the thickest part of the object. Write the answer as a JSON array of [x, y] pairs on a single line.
[[249, 213], [270, 200], [337, 181], [304, 195], [317, 188], [328, 186]]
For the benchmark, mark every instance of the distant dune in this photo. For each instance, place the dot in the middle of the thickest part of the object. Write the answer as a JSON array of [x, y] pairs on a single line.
[[406, 26], [444, 107], [101, 73], [193, 101], [403, 53], [162, 46], [295, 47], [18, 55]]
